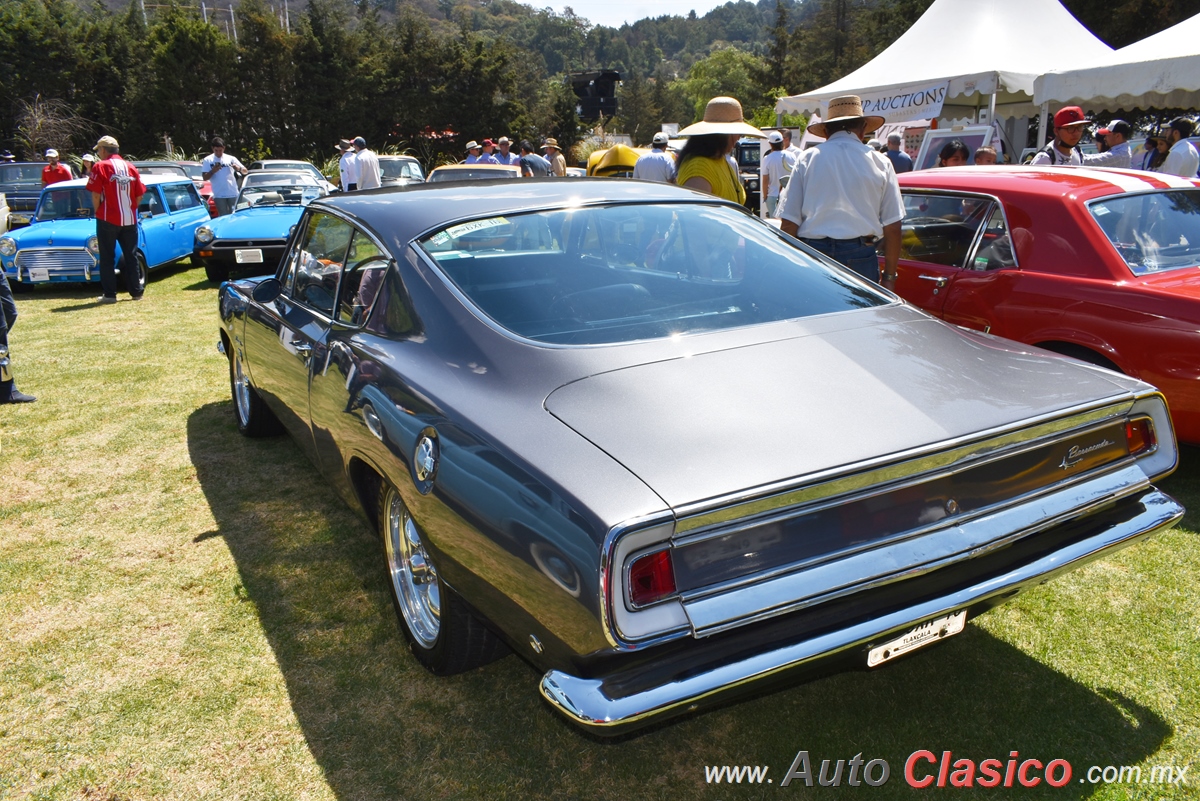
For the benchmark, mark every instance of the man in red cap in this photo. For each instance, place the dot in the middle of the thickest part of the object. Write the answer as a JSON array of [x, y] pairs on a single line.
[[1069, 123]]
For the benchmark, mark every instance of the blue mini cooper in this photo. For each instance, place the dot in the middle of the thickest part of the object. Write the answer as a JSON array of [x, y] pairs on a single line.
[[60, 243]]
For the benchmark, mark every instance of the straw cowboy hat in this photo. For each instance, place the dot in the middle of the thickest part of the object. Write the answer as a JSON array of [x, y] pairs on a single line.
[[848, 107], [723, 115]]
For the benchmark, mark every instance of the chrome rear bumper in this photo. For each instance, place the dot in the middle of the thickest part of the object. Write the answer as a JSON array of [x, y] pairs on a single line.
[[589, 703]]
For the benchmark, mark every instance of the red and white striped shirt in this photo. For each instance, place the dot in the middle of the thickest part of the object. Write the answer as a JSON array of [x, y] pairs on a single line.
[[120, 187]]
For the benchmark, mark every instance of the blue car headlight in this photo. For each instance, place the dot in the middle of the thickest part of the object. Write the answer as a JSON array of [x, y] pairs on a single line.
[[204, 235], [7, 246], [92, 245]]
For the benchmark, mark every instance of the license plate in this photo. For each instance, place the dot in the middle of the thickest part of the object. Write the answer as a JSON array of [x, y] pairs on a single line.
[[919, 637], [39, 274], [248, 256]]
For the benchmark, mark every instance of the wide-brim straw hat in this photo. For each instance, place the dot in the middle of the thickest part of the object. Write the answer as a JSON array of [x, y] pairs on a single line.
[[847, 107], [723, 115], [550, 142]]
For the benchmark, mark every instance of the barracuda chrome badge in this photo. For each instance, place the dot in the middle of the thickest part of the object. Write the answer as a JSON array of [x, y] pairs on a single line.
[[1076, 453], [425, 462]]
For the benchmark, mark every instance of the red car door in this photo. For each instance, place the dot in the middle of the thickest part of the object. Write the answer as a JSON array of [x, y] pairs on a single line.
[[939, 233]]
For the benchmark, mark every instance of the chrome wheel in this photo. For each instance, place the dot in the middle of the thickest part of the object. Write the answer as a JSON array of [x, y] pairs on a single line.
[[241, 391], [414, 579]]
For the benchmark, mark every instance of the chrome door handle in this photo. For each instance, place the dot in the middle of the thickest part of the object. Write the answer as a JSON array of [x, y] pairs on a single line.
[[302, 348], [941, 279]]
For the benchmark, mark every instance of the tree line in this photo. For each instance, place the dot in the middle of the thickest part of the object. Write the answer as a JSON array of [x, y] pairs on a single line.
[[424, 75]]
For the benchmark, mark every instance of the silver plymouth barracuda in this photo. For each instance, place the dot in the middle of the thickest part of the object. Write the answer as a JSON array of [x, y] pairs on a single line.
[[662, 451]]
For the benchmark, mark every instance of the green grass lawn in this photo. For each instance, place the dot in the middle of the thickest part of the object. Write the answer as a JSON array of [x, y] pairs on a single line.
[[187, 614]]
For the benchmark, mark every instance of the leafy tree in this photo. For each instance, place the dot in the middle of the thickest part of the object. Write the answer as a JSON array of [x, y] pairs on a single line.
[[187, 85], [730, 72], [263, 99], [642, 118]]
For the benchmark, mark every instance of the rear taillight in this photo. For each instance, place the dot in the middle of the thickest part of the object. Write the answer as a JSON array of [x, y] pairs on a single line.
[[651, 578], [1139, 436]]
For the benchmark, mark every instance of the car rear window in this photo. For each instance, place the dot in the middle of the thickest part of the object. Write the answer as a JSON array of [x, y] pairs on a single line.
[[620, 273], [1152, 232]]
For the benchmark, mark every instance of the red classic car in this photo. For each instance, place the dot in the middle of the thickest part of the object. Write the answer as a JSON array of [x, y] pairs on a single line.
[[1101, 265]]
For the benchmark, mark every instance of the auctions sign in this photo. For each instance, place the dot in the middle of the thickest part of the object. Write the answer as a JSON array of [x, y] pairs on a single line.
[[912, 102]]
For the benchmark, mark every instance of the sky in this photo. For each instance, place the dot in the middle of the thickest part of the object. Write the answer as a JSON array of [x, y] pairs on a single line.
[[614, 13]]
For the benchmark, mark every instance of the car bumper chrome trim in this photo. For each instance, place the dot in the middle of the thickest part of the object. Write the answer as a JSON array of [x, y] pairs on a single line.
[[585, 700], [711, 610]]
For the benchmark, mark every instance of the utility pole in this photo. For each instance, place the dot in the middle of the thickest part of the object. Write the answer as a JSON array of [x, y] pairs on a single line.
[[233, 22]]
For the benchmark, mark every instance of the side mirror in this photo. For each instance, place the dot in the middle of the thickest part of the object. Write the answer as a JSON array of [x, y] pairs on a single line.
[[267, 290]]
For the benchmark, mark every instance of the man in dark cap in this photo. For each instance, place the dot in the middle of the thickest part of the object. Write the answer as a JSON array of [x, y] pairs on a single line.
[[1182, 158], [369, 174], [1116, 152], [219, 169]]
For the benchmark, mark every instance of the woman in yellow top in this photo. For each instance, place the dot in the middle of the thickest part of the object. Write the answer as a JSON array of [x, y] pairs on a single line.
[[704, 162]]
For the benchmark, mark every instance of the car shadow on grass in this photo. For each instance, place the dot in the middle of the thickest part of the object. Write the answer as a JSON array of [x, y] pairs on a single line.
[[380, 726], [85, 295]]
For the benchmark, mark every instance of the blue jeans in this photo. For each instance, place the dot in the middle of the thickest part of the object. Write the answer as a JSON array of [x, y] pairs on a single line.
[[224, 205], [852, 253]]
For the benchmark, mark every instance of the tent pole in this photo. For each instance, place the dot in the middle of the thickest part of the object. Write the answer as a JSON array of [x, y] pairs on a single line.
[[1041, 140], [992, 109]]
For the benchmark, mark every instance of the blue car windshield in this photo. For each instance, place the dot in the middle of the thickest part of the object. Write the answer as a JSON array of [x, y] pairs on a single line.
[[65, 204], [300, 193], [1152, 231], [620, 273]]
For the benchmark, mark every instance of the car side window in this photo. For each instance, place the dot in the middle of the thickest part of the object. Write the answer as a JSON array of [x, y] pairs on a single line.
[[941, 229], [319, 261], [995, 250], [366, 264], [150, 202], [181, 196]]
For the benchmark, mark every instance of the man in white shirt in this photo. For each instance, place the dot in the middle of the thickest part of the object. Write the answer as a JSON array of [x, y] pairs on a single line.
[[791, 151], [348, 166], [219, 168], [369, 175], [1116, 137], [843, 196], [1182, 158], [773, 168], [658, 164], [1069, 122]]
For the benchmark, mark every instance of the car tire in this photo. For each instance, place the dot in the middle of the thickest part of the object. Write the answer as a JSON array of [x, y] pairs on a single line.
[[254, 417], [216, 274], [443, 634], [140, 262]]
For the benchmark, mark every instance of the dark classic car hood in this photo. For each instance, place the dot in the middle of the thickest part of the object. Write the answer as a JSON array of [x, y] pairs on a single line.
[[729, 420]]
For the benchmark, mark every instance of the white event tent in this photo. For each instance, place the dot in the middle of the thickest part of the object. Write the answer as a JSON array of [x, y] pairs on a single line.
[[963, 56], [1160, 71]]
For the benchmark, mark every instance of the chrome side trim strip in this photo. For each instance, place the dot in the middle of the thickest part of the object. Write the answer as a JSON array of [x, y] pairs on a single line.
[[853, 478], [586, 703], [712, 612]]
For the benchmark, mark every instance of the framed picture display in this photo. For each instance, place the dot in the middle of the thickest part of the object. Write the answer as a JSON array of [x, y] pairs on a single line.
[[973, 136]]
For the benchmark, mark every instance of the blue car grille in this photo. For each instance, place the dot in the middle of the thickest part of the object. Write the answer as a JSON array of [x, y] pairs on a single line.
[[59, 261]]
